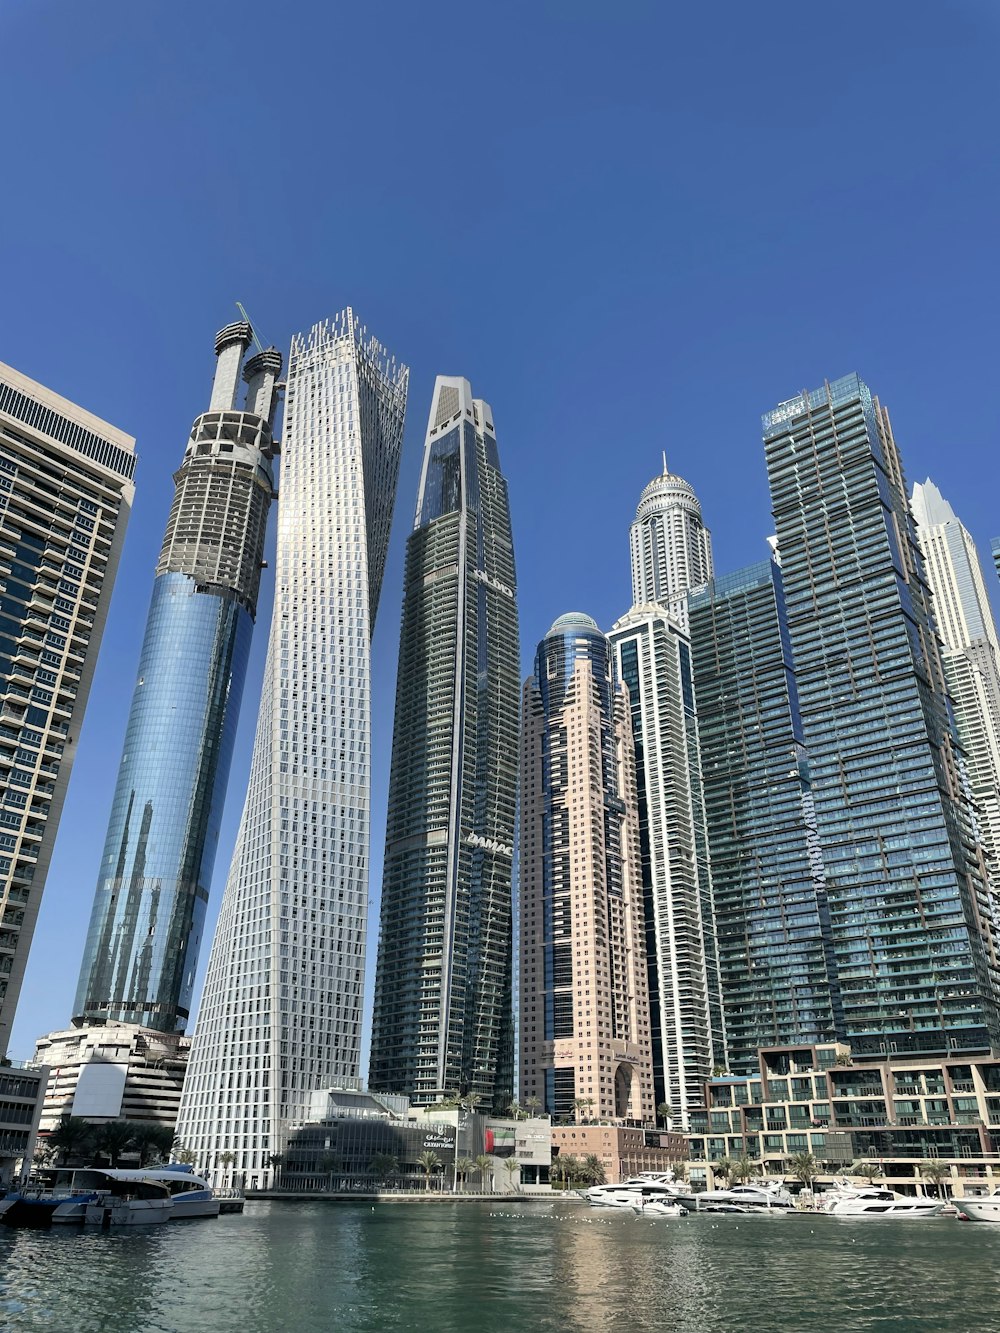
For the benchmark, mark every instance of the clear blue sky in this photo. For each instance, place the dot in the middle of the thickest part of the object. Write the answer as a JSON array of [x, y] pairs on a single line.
[[633, 227]]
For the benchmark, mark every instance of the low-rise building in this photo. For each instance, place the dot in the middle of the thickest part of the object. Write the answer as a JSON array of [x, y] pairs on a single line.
[[893, 1113], [622, 1151], [22, 1089], [112, 1071]]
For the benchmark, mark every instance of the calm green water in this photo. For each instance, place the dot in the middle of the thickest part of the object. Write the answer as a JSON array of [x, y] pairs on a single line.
[[475, 1268]]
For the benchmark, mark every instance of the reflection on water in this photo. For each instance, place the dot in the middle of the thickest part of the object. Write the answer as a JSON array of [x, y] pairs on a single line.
[[476, 1268]]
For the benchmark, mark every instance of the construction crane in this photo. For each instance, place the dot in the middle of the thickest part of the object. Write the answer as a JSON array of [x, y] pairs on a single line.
[[253, 327]]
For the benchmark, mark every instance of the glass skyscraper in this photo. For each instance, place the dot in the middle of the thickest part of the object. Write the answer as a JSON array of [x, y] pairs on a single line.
[[585, 1047], [66, 492], [914, 924], [443, 1006], [156, 870], [772, 920], [281, 1011], [971, 655]]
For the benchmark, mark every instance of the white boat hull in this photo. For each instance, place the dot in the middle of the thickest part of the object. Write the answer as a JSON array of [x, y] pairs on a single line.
[[128, 1212], [979, 1210]]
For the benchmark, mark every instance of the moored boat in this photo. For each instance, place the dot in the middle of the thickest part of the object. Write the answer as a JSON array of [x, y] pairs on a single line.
[[875, 1201], [131, 1199], [985, 1208]]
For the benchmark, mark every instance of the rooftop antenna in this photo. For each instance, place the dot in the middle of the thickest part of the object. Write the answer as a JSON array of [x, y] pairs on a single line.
[[665, 473], [253, 327]]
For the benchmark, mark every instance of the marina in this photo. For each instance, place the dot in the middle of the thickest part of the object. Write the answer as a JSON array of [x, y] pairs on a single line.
[[362, 1267]]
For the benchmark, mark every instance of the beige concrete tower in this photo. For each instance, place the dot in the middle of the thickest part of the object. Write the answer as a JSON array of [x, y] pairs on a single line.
[[585, 1030]]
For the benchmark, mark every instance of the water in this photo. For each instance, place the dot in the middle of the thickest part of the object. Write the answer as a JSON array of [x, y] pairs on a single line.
[[480, 1268]]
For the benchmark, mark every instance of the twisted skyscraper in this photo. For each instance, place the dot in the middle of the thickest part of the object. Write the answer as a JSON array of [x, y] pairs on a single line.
[[443, 1019], [281, 1013], [149, 909]]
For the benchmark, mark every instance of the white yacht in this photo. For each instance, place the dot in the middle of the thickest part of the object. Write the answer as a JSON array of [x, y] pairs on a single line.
[[979, 1209], [59, 1195], [130, 1199], [874, 1201], [660, 1208], [193, 1196], [753, 1198], [638, 1190]]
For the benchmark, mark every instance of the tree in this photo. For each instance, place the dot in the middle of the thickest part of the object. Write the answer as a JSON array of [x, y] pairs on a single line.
[[742, 1168], [592, 1170], [566, 1168], [870, 1170], [805, 1167], [664, 1111], [180, 1153], [532, 1104], [514, 1110], [935, 1171], [483, 1164], [383, 1166], [464, 1167], [511, 1165], [72, 1137], [470, 1101], [428, 1161], [112, 1139], [723, 1169], [582, 1104], [152, 1142], [225, 1159], [844, 1058]]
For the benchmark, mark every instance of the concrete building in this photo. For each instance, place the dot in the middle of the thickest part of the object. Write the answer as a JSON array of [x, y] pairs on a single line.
[[913, 921], [113, 1071], [894, 1113], [622, 1152], [652, 656], [22, 1090], [159, 853], [66, 492], [585, 1046], [282, 1006], [971, 652], [671, 547], [443, 1020]]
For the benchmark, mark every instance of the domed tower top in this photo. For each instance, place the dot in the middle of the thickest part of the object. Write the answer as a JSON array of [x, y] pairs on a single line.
[[671, 547]]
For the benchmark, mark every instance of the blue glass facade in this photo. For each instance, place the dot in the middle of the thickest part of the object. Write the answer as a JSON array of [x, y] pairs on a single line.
[[779, 980], [149, 910], [914, 925]]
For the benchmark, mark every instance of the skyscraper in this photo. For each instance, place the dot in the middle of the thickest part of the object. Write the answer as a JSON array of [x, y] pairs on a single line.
[[671, 547], [443, 1005], [156, 870], [914, 925], [971, 651], [652, 656], [66, 492], [772, 920], [584, 1018], [281, 1012]]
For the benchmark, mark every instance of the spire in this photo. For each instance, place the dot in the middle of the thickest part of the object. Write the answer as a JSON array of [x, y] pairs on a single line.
[[665, 472]]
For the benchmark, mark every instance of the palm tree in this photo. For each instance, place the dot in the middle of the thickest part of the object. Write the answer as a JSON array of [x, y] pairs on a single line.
[[532, 1104], [723, 1169], [592, 1170], [225, 1160], [71, 1137], [566, 1168], [470, 1101], [511, 1165], [805, 1167], [664, 1111], [383, 1165], [464, 1166], [868, 1169], [483, 1164], [154, 1142], [112, 1139], [742, 1168], [180, 1153], [935, 1171], [582, 1104], [428, 1161]]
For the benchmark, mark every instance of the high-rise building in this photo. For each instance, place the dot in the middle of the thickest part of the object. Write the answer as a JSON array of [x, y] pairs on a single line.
[[971, 652], [671, 547], [772, 920], [281, 1011], [156, 870], [443, 1006], [66, 492], [585, 1048], [652, 656], [914, 924]]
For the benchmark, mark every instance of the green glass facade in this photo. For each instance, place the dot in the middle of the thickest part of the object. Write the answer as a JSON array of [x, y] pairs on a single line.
[[914, 924], [443, 1006], [779, 980]]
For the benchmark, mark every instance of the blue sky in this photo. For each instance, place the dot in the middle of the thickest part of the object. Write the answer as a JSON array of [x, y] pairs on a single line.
[[632, 227]]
